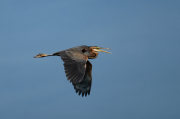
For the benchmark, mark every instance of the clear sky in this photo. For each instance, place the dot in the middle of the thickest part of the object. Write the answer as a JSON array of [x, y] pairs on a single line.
[[139, 80]]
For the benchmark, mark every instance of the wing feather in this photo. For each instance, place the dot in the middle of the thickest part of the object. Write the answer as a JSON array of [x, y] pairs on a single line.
[[84, 86], [74, 65]]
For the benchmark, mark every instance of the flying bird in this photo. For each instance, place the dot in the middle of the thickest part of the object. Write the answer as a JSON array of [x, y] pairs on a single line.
[[77, 67]]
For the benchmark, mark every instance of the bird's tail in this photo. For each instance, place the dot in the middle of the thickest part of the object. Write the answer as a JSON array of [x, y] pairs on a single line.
[[42, 55]]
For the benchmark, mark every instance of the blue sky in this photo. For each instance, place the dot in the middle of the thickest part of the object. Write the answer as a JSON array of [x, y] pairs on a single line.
[[139, 80]]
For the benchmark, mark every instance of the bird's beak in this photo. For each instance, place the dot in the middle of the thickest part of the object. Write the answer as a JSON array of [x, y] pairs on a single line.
[[98, 49]]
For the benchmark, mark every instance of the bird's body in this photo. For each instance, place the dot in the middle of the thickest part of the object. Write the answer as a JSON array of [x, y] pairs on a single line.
[[77, 67]]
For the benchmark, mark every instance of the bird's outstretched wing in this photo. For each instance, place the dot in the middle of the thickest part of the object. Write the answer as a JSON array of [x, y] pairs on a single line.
[[84, 86], [74, 65]]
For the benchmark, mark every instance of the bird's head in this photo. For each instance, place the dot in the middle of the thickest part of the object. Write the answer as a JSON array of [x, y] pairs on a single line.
[[92, 51]]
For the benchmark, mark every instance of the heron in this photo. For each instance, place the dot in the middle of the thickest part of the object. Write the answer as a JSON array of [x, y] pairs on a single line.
[[77, 66]]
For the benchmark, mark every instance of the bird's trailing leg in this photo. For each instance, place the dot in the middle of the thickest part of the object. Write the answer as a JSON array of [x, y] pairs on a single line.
[[42, 55]]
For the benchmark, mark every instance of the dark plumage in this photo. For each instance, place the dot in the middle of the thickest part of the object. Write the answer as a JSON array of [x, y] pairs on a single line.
[[77, 67]]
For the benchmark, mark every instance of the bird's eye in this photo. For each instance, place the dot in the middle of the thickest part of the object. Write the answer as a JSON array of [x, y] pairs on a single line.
[[84, 50]]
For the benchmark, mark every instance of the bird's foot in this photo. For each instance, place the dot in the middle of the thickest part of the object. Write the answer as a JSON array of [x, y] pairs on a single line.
[[40, 55]]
